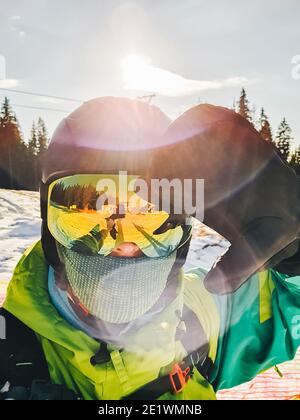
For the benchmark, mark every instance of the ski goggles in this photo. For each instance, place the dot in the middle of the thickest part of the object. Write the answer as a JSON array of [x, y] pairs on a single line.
[[94, 213]]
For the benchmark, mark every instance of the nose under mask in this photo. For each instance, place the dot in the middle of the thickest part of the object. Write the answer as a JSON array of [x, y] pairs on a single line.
[[116, 289]]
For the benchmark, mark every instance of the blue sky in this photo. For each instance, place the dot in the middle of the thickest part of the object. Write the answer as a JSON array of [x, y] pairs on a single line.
[[76, 48]]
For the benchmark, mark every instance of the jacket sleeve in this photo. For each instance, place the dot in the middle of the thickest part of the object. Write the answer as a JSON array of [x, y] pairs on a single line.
[[260, 327], [21, 356]]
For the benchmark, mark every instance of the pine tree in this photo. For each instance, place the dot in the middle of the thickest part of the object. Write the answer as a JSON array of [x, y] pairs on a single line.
[[42, 136], [37, 144], [243, 106], [283, 139], [32, 151], [297, 156], [295, 160], [264, 127], [7, 114], [11, 148], [33, 141]]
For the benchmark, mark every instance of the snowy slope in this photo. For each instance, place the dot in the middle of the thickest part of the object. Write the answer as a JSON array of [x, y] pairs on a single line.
[[20, 227]]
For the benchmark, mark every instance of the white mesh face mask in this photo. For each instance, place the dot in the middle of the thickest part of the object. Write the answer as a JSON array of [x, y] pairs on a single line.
[[116, 289]]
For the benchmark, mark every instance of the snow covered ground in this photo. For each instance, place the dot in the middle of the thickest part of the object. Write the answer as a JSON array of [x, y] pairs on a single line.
[[20, 227]]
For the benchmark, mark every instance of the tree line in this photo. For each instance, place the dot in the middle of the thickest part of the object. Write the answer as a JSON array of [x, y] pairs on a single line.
[[20, 159], [282, 140], [84, 197]]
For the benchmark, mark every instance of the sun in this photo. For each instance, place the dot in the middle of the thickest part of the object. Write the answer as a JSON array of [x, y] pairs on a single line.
[[134, 68]]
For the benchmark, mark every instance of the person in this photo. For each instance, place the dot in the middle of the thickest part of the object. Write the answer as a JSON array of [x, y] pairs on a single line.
[[100, 307]]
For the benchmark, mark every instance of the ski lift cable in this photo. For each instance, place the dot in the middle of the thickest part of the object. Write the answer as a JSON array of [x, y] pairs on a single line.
[[42, 108], [62, 98]]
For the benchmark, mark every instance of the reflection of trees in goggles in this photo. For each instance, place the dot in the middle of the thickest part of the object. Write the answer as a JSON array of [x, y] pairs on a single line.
[[86, 197], [75, 220]]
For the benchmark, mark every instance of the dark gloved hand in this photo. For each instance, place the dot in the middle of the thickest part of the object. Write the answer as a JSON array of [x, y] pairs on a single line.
[[251, 195]]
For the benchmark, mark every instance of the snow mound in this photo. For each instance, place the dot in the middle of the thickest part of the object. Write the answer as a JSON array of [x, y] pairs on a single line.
[[20, 226]]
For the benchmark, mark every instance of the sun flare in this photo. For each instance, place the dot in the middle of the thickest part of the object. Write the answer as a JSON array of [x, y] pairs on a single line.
[[134, 66]]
